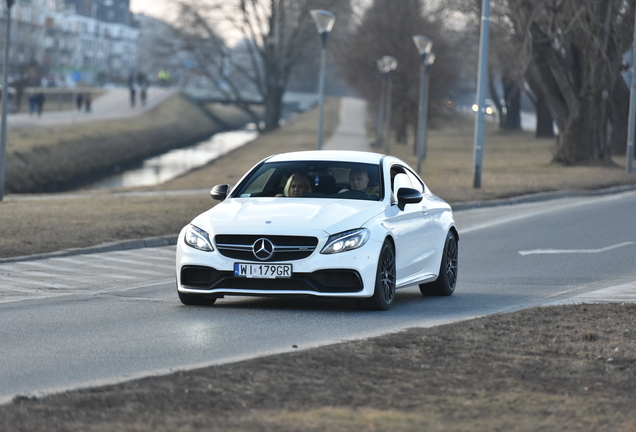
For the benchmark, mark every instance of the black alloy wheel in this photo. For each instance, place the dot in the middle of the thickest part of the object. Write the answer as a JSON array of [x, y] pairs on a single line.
[[447, 279], [385, 278]]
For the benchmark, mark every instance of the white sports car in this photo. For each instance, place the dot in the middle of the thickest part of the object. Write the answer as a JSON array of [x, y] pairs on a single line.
[[320, 223]]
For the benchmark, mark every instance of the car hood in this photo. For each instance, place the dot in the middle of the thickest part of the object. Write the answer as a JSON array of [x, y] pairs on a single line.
[[291, 216]]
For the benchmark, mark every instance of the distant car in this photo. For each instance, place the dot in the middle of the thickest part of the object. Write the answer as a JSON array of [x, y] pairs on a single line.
[[330, 240], [488, 107]]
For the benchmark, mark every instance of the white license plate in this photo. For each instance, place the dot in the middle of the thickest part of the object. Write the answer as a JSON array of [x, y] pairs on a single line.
[[263, 271]]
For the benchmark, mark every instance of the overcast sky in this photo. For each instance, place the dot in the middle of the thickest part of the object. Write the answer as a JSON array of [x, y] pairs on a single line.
[[156, 8]]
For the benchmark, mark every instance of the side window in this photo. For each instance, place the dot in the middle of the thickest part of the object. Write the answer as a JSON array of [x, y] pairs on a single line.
[[401, 180], [415, 182], [395, 170]]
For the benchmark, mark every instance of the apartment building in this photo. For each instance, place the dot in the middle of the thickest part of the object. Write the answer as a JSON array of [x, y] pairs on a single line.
[[91, 41]]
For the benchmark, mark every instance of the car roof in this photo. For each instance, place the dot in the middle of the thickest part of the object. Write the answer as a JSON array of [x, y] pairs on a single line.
[[329, 155]]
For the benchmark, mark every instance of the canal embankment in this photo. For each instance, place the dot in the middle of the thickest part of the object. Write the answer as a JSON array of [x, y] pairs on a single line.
[[65, 157]]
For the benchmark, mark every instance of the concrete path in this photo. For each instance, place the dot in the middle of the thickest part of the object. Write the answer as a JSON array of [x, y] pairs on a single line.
[[351, 132], [114, 104]]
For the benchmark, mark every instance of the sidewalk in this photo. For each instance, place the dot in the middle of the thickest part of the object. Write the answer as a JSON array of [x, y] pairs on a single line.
[[114, 104], [351, 132]]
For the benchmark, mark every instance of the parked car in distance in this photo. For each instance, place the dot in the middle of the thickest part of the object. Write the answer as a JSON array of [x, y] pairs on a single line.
[[341, 224]]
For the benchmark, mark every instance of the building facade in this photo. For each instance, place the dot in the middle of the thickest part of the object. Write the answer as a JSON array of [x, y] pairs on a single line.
[[52, 37], [110, 11]]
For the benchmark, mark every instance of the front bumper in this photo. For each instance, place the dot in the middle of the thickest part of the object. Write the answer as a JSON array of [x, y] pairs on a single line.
[[346, 274]]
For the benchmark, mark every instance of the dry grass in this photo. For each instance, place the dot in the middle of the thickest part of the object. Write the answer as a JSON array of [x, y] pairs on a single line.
[[514, 163], [533, 370], [31, 227]]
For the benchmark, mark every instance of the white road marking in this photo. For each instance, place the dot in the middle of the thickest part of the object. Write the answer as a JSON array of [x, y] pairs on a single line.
[[7, 278], [92, 274], [118, 268], [625, 293], [573, 251]]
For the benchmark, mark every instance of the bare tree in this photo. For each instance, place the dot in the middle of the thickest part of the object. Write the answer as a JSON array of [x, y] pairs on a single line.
[[577, 49], [272, 38], [387, 27], [536, 93]]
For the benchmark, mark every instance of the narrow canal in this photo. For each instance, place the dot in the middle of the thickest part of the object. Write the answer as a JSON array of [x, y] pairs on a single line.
[[167, 166]]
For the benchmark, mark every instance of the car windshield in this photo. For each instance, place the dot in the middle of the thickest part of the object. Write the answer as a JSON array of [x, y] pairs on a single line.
[[312, 179]]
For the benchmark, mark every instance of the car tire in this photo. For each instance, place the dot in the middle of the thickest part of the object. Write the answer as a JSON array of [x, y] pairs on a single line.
[[447, 279], [385, 277], [195, 299]]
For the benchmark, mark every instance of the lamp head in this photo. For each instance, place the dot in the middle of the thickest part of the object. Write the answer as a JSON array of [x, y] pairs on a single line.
[[423, 44], [390, 63], [324, 20], [380, 64], [430, 59]]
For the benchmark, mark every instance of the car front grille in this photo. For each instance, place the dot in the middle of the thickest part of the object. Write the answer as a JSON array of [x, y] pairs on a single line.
[[286, 248], [324, 281]]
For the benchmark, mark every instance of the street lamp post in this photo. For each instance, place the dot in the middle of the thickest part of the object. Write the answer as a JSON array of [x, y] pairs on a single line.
[[424, 46], [632, 107], [5, 97], [481, 89], [324, 22], [381, 105], [390, 63]]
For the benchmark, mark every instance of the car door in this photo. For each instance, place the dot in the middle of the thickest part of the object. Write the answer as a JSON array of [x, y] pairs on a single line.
[[411, 226], [431, 233]]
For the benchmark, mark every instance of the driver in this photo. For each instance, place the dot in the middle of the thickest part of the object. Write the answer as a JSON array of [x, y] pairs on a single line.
[[358, 180]]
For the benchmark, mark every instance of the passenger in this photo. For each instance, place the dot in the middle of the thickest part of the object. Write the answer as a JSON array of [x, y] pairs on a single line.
[[297, 185]]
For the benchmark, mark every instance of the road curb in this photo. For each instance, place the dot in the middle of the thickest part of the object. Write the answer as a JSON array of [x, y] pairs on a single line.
[[104, 247], [542, 196]]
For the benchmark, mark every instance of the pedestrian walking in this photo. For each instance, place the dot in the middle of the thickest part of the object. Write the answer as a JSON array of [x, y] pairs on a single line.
[[143, 94], [39, 102], [133, 89], [79, 100], [88, 101], [31, 104]]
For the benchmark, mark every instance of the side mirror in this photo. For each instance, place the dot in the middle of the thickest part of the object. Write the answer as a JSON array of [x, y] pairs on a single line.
[[219, 192], [408, 196]]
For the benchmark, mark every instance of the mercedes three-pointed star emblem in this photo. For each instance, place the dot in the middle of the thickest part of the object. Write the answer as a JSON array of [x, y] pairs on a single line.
[[263, 249]]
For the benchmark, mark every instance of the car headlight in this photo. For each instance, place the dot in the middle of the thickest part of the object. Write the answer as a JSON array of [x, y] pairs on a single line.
[[198, 239], [346, 241]]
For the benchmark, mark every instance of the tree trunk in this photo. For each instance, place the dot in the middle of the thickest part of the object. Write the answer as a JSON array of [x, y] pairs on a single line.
[[619, 116], [496, 101], [545, 124], [584, 138], [512, 96], [273, 108]]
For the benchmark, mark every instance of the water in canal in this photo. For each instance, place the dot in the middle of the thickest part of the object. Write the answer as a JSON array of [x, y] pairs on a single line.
[[169, 165]]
